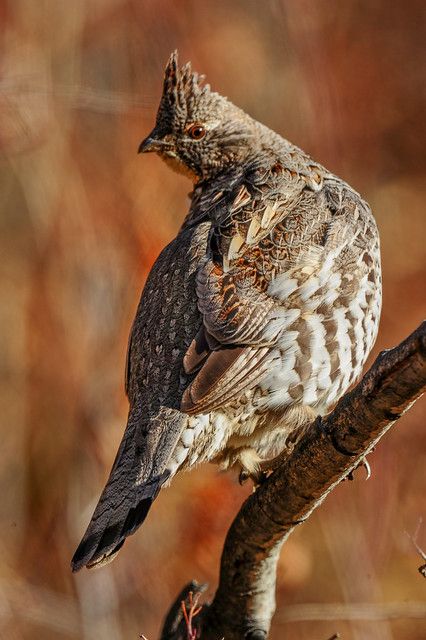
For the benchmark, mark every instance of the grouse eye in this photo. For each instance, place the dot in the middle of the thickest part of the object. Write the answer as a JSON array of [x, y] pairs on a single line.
[[196, 131]]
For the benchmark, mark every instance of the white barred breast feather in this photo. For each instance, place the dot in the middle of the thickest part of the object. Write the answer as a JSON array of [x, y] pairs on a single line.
[[320, 321], [325, 328]]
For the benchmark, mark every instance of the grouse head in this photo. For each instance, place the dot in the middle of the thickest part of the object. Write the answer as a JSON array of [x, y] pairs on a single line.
[[197, 131]]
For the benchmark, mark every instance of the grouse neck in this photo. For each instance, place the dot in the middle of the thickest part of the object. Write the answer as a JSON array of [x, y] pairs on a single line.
[[270, 142]]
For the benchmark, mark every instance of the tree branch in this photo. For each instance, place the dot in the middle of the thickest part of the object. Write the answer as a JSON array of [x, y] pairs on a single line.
[[330, 449]]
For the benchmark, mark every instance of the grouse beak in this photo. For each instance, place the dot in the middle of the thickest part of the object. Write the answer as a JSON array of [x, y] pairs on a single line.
[[152, 143], [147, 145]]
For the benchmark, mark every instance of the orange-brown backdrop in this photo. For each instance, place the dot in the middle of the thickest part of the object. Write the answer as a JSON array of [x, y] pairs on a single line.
[[82, 220]]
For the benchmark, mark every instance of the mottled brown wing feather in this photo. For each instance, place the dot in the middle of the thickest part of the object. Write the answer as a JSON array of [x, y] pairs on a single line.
[[197, 353], [228, 351], [226, 374], [235, 304], [214, 372]]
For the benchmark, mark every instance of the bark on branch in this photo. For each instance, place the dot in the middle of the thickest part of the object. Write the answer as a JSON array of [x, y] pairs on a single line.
[[244, 602]]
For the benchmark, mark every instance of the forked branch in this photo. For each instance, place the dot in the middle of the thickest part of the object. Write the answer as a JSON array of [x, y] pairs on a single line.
[[244, 602]]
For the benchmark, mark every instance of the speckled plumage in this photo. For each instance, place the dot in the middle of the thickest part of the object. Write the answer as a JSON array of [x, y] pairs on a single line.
[[257, 316]]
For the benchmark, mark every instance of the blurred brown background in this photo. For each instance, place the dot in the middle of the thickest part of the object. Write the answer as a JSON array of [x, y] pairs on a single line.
[[82, 220]]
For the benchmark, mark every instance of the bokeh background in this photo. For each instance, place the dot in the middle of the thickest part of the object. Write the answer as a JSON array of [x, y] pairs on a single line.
[[82, 220]]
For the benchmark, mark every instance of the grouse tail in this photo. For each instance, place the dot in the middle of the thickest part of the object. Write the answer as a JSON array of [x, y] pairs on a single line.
[[114, 520]]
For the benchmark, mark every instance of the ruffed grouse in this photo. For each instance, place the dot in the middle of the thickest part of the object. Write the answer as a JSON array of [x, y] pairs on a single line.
[[256, 317]]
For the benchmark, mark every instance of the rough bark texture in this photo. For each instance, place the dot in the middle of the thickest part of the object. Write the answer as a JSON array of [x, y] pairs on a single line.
[[244, 602]]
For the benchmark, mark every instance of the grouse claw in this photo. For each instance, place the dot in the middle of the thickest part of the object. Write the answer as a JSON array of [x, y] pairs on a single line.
[[362, 463]]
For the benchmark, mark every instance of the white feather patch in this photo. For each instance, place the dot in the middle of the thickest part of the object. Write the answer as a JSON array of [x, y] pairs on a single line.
[[281, 320], [252, 231], [282, 286], [320, 357], [344, 342], [187, 437], [268, 215], [235, 245], [307, 289]]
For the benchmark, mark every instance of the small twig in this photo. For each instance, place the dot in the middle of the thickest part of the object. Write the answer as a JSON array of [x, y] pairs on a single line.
[[413, 538], [194, 610], [179, 624]]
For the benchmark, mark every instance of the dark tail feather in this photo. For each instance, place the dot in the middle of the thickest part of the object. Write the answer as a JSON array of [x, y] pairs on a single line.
[[137, 476], [113, 522]]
